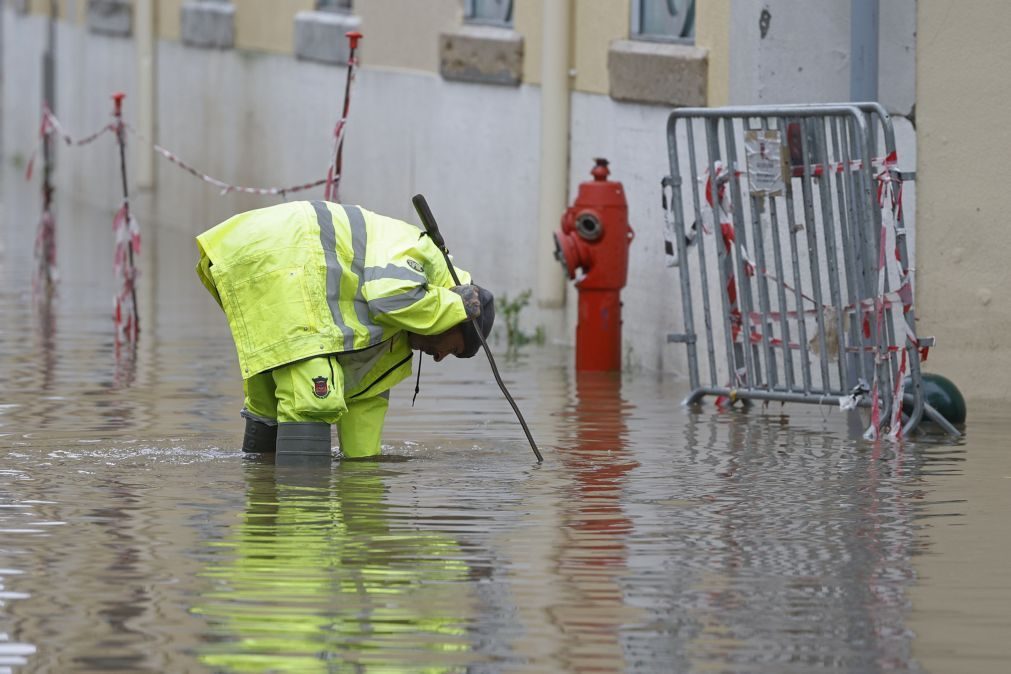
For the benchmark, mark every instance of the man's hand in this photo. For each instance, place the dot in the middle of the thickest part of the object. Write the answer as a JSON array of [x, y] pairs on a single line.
[[471, 301]]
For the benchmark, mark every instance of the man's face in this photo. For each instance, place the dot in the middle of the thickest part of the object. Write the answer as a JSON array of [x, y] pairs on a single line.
[[441, 345]]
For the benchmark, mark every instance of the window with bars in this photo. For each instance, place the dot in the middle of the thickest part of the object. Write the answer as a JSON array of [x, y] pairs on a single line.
[[489, 12], [342, 6], [665, 20]]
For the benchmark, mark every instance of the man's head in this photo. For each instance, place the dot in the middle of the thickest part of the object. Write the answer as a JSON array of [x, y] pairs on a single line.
[[439, 346], [462, 339]]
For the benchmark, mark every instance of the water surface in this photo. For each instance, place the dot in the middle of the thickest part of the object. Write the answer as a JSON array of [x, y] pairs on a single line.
[[135, 537]]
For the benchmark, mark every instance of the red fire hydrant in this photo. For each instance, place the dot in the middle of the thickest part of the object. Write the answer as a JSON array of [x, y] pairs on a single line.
[[595, 236]]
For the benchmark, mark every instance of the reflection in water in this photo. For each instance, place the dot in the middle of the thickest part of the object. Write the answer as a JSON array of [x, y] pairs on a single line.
[[314, 574], [825, 587], [592, 553]]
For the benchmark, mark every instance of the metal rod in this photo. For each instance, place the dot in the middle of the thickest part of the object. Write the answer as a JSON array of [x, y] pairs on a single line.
[[332, 188], [865, 25], [48, 102], [830, 157], [425, 213], [744, 299], [677, 213], [850, 328], [798, 297], [700, 240], [724, 264], [121, 140], [784, 325], [813, 265], [757, 202]]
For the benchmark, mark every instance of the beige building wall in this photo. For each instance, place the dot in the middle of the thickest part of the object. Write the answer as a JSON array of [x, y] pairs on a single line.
[[963, 200], [527, 22], [712, 32], [596, 24], [167, 19], [267, 25], [405, 35], [74, 11]]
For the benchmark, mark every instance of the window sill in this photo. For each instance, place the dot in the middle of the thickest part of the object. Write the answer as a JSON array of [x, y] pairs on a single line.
[[482, 54], [110, 17], [210, 25], [320, 36], [657, 72]]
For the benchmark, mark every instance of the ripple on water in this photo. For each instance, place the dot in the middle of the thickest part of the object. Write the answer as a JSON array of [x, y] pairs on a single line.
[[135, 537]]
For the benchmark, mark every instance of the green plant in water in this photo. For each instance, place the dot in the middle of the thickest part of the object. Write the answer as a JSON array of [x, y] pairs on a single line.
[[510, 310]]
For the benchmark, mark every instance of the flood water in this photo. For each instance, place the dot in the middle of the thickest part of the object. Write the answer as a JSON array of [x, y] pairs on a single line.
[[135, 536]]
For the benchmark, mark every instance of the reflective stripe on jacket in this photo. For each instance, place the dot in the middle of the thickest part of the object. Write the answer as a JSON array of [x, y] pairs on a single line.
[[304, 279]]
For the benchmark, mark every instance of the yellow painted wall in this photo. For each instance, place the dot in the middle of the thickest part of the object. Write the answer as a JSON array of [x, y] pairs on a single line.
[[43, 6], [712, 33], [597, 23], [527, 22], [167, 18], [267, 25], [963, 195], [405, 34]]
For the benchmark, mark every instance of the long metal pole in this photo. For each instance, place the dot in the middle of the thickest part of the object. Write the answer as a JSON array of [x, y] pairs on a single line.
[[864, 30], [334, 174], [48, 101], [425, 213], [121, 140]]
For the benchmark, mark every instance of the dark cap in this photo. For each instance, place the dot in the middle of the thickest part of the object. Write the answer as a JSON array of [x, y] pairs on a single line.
[[471, 341]]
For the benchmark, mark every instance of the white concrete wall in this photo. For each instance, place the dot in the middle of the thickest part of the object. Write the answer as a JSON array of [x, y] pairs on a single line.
[[805, 55], [634, 139], [259, 118]]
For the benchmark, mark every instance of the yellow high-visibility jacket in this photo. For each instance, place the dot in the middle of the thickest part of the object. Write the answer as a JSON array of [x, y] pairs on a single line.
[[305, 279]]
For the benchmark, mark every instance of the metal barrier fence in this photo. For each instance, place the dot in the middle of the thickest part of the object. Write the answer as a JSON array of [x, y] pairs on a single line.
[[797, 211]]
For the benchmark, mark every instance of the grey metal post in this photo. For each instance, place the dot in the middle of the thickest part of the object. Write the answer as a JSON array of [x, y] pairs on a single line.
[[829, 159], [701, 241], [49, 81], [864, 30], [744, 299], [677, 213], [777, 251]]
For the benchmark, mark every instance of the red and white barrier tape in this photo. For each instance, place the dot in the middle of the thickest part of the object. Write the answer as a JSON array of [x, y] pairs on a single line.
[[225, 187], [49, 124], [334, 171], [46, 275], [126, 236], [889, 194]]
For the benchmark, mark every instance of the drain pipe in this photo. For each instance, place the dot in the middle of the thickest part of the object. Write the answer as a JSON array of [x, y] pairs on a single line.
[[145, 19], [865, 26], [554, 187]]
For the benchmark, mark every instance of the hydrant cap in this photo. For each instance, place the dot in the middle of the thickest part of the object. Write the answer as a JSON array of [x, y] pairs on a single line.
[[600, 171]]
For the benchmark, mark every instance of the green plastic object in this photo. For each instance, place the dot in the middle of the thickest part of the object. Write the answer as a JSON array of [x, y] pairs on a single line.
[[942, 394]]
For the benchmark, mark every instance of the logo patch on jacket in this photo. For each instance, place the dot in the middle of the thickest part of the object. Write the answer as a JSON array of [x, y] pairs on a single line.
[[320, 388], [416, 266]]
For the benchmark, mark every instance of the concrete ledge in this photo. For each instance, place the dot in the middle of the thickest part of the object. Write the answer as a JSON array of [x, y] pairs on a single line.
[[208, 24], [485, 54], [110, 17], [320, 36], [656, 72]]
